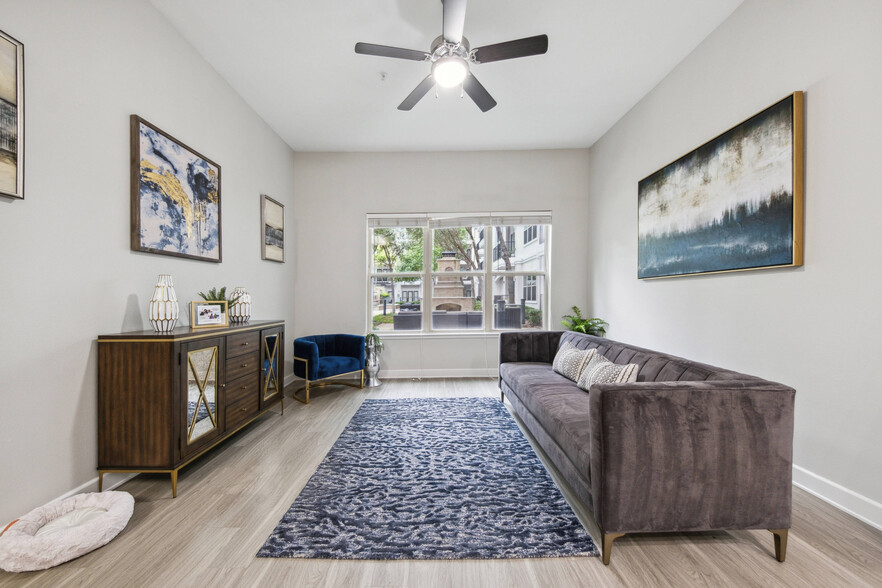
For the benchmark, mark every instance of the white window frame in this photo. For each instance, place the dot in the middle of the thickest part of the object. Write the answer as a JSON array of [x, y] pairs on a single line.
[[489, 221]]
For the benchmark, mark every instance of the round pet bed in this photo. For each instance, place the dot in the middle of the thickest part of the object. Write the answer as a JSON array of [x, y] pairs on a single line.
[[63, 530]]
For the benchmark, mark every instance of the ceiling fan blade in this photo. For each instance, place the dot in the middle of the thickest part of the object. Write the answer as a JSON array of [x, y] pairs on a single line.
[[510, 49], [454, 19], [478, 93], [417, 93], [396, 52]]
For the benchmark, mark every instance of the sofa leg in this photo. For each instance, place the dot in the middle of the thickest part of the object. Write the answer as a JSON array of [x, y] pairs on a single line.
[[608, 539], [501, 396], [305, 389], [780, 543]]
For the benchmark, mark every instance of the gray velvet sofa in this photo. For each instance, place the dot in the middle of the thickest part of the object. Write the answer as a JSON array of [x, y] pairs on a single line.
[[688, 447]]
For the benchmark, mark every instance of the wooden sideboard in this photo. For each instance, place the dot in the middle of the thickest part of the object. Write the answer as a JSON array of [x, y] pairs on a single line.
[[164, 399]]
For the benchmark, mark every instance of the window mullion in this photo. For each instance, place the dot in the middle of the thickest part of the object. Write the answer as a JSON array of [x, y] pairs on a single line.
[[426, 304]]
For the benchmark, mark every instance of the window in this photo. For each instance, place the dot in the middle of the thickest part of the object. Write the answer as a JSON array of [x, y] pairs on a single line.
[[445, 253], [530, 288]]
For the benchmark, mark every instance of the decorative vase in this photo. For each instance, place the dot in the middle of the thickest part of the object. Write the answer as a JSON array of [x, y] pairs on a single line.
[[372, 367], [240, 311], [164, 305]]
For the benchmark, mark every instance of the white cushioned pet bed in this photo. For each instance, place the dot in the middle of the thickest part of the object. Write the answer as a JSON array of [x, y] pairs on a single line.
[[63, 530]]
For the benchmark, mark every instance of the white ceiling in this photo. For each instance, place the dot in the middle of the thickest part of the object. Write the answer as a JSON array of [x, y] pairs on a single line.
[[293, 62]]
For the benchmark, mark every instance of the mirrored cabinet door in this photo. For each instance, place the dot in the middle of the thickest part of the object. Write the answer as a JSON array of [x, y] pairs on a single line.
[[272, 356], [201, 395]]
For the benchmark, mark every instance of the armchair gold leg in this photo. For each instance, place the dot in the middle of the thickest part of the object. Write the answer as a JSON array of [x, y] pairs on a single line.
[[362, 379], [305, 389], [780, 543], [608, 539]]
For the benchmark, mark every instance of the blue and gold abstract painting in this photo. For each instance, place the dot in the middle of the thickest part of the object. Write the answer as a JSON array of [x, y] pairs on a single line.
[[732, 204], [177, 199]]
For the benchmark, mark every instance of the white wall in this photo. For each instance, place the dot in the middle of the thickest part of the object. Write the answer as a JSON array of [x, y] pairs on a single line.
[[817, 328], [334, 192], [66, 271]]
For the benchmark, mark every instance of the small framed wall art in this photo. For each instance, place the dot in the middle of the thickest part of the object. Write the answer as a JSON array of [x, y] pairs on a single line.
[[11, 117], [208, 314], [176, 196], [735, 203], [272, 229]]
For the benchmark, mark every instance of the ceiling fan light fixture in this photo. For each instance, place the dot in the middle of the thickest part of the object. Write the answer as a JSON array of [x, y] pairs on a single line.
[[450, 71]]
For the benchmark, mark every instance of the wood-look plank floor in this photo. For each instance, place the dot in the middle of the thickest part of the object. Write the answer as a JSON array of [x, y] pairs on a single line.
[[230, 500]]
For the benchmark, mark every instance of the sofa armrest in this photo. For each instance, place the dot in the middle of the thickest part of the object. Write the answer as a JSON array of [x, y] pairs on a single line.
[[528, 346], [308, 350], [685, 456]]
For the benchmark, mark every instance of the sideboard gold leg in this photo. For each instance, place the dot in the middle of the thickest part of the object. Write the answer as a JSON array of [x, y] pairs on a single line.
[[100, 480], [174, 481], [780, 543], [608, 539]]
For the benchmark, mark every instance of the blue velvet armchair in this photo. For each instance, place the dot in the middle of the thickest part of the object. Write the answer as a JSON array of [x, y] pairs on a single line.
[[318, 358]]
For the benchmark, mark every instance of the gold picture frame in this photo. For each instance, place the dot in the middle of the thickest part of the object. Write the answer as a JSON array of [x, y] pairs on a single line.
[[11, 117], [272, 229], [735, 203], [209, 314]]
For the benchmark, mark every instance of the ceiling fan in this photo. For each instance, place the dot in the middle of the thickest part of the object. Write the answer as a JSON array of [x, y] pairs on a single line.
[[451, 55]]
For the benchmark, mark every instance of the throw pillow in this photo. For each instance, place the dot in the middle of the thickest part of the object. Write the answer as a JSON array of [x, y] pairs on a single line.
[[570, 361], [600, 370]]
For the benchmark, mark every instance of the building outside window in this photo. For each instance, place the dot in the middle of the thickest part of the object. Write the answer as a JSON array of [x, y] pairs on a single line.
[[427, 272]]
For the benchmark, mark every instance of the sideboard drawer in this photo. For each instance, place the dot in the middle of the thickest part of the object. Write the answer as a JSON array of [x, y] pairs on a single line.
[[241, 411], [241, 388], [243, 365], [243, 343]]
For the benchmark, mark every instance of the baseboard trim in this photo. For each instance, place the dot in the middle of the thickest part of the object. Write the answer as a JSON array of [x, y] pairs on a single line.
[[111, 481], [849, 501], [438, 373]]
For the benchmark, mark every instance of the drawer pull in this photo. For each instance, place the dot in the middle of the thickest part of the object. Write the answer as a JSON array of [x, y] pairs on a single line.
[[243, 409], [245, 343], [243, 387], [244, 365]]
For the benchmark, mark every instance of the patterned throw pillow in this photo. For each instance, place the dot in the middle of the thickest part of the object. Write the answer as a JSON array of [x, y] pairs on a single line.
[[570, 361], [600, 370]]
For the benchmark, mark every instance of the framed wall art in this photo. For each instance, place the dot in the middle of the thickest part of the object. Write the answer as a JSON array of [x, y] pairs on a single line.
[[272, 229], [735, 203], [11, 117], [208, 314], [176, 196]]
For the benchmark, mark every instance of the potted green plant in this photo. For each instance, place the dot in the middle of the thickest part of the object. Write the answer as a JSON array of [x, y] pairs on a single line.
[[215, 294], [589, 326], [373, 347]]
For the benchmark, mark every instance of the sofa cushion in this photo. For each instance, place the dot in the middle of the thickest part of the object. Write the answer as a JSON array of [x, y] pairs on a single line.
[[600, 370], [557, 403], [332, 365], [569, 361]]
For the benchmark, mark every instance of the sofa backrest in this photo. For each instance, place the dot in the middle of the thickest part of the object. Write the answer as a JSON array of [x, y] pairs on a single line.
[[655, 366]]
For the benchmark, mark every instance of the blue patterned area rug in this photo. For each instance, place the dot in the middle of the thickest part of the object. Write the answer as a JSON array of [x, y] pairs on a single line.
[[433, 478]]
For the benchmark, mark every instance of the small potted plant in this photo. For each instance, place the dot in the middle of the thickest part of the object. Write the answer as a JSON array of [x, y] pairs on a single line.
[[589, 326], [215, 294], [373, 347]]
